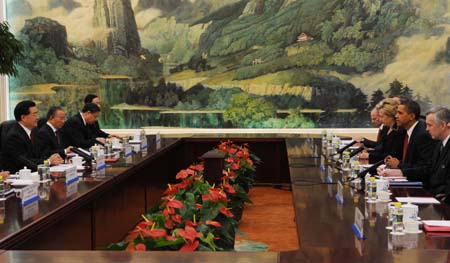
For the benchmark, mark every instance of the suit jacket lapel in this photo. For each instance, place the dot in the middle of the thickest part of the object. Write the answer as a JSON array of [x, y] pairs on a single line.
[[412, 139]]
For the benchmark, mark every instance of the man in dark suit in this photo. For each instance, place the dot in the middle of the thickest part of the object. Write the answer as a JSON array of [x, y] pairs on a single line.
[[95, 127], [48, 137], [438, 120], [417, 146], [19, 149], [76, 131]]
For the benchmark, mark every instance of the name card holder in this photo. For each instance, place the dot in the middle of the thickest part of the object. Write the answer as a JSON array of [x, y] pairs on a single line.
[[128, 151], [71, 174], [29, 194], [144, 144], [158, 141], [358, 225]]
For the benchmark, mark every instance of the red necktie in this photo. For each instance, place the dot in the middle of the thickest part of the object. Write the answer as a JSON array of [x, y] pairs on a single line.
[[405, 146]]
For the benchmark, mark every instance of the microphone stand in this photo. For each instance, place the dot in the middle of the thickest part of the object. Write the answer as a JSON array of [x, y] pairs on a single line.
[[340, 151], [363, 173], [356, 151], [81, 153]]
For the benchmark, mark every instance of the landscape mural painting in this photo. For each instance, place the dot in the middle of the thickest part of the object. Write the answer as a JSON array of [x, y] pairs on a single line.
[[231, 63]]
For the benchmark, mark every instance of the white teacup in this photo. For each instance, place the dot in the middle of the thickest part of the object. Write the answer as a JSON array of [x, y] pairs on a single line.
[[77, 161], [25, 174], [412, 227], [382, 185], [410, 212], [384, 196]]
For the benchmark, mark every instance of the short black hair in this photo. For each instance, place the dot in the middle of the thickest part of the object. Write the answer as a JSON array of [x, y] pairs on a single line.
[[91, 107], [411, 107], [23, 108], [52, 111], [89, 98]]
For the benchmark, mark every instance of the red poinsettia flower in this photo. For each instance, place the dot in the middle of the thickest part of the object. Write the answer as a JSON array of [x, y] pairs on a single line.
[[174, 203], [168, 224], [234, 166], [192, 224], [232, 151], [198, 206], [171, 190], [184, 173], [188, 233], [229, 188], [215, 195], [184, 183], [168, 211], [229, 160], [154, 232], [140, 247], [145, 224], [213, 223], [190, 246], [198, 167], [226, 212], [176, 218], [170, 238]]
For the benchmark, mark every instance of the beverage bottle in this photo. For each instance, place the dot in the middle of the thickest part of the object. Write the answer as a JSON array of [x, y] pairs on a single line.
[[397, 219], [372, 189], [355, 169]]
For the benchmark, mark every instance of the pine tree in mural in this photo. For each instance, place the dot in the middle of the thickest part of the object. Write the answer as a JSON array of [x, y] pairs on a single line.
[[407, 92], [377, 96], [395, 89]]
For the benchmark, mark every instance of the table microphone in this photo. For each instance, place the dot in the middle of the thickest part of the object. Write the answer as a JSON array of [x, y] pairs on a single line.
[[356, 151], [81, 153], [364, 172], [340, 151]]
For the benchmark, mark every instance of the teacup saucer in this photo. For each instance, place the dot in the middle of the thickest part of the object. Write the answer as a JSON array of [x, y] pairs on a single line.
[[413, 232]]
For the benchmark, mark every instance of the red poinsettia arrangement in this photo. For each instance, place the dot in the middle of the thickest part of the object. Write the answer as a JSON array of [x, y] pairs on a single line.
[[192, 214]]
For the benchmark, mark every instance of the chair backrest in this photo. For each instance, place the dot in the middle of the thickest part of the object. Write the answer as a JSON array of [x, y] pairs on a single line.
[[4, 129], [41, 122]]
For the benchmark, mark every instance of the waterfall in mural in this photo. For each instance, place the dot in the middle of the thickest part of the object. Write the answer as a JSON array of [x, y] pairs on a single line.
[[231, 63]]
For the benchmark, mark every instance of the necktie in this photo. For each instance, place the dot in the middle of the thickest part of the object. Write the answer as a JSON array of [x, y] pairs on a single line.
[[57, 137], [405, 147]]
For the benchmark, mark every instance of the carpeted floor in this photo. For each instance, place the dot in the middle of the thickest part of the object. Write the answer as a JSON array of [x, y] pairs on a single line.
[[270, 219]]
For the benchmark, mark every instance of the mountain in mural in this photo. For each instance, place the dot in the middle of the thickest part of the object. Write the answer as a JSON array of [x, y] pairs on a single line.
[[163, 5], [116, 19], [69, 5], [48, 34]]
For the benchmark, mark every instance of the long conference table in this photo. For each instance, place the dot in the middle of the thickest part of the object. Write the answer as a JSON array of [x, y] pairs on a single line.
[[75, 223]]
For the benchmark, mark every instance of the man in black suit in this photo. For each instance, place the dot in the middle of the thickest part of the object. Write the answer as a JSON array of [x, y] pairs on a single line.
[[19, 149], [76, 131], [48, 137], [417, 146], [95, 127], [438, 120]]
